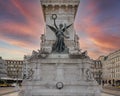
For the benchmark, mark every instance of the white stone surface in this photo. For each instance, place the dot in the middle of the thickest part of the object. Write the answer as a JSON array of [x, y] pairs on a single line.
[[72, 73]]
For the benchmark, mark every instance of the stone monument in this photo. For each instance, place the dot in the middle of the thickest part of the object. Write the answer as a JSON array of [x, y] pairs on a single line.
[[59, 68]]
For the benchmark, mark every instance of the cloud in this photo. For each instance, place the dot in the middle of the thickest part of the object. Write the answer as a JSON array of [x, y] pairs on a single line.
[[20, 27], [22, 24], [99, 23], [12, 54], [31, 11], [18, 33]]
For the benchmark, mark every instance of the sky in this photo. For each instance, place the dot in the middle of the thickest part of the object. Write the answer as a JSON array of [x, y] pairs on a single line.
[[97, 24]]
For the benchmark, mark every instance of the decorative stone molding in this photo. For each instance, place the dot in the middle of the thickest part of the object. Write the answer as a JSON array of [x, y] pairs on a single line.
[[28, 75], [60, 2], [76, 53], [59, 85], [89, 75]]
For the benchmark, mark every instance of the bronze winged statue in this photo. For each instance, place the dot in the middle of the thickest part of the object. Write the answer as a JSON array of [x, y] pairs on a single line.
[[59, 45]]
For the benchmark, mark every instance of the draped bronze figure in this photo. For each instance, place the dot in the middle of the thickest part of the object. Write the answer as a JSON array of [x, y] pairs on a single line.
[[59, 45]]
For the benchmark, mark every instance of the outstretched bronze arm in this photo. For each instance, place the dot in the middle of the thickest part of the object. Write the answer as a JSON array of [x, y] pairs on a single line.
[[54, 17]]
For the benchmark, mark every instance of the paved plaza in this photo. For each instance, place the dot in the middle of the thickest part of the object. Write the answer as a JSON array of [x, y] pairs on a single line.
[[104, 94], [12, 92], [16, 93]]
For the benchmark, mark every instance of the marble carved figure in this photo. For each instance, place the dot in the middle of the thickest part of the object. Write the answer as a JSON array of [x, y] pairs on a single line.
[[59, 45]]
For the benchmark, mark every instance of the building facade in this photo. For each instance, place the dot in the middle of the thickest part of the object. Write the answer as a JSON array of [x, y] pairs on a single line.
[[3, 71], [14, 68], [97, 71], [111, 67]]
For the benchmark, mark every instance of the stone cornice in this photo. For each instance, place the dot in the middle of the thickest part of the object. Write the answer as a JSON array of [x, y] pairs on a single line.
[[60, 2]]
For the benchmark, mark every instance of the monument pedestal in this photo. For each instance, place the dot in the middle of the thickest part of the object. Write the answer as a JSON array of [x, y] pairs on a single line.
[[59, 75]]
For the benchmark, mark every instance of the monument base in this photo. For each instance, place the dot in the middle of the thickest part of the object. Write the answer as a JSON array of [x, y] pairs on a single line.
[[68, 90], [59, 75]]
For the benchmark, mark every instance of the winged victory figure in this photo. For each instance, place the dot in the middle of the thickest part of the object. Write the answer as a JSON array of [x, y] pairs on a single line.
[[59, 45]]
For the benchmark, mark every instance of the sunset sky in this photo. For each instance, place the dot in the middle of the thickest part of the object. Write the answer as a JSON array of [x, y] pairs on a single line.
[[21, 23]]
